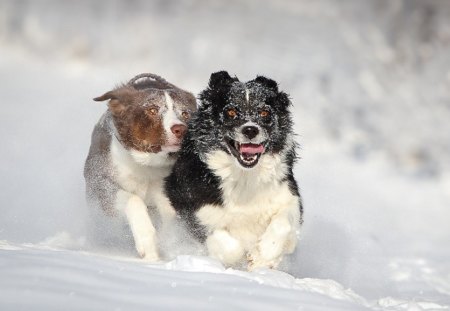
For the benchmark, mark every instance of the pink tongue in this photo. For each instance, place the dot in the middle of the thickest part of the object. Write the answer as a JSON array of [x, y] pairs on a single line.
[[251, 148]]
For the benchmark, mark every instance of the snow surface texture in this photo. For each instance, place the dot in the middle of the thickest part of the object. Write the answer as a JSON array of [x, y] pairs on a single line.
[[370, 82]]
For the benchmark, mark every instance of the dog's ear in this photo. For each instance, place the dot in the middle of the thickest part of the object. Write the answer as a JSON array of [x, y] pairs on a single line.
[[269, 83], [220, 78], [106, 96], [283, 100], [119, 99], [218, 87]]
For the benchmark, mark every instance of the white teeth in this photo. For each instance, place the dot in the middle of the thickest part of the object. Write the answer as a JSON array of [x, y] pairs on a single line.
[[249, 160]]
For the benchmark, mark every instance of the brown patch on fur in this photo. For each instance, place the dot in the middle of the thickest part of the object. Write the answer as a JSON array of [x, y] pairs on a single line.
[[133, 118], [146, 132], [131, 106], [136, 127]]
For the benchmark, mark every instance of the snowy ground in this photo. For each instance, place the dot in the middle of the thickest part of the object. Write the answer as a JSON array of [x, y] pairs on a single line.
[[47, 279], [371, 108]]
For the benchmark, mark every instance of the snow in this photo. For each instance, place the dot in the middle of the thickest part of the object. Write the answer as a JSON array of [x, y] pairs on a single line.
[[82, 281], [45, 278], [370, 85]]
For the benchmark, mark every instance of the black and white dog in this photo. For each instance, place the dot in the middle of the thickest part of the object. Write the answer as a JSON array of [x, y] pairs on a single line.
[[233, 181]]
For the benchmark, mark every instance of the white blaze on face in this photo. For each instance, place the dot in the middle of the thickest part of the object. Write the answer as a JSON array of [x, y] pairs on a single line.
[[247, 95], [170, 119]]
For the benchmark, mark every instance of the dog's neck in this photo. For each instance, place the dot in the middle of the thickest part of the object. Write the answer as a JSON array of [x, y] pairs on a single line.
[[133, 157]]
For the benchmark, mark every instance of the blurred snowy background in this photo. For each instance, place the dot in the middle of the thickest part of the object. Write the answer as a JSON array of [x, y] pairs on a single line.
[[370, 83]]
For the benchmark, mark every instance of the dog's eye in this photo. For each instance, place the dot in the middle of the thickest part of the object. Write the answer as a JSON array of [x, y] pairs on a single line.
[[153, 111], [264, 113], [185, 114], [232, 113]]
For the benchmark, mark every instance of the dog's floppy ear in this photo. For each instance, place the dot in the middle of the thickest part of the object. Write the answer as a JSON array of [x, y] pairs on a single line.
[[106, 96], [283, 100], [119, 99], [218, 86], [220, 78], [269, 83]]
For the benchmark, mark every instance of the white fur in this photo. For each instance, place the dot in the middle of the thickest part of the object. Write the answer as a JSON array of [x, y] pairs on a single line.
[[140, 176], [223, 246], [247, 95], [170, 119], [140, 224], [260, 215]]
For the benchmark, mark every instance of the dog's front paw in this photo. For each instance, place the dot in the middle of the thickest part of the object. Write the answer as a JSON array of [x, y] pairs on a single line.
[[146, 248], [141, 226], [256, 261], [221, 245]]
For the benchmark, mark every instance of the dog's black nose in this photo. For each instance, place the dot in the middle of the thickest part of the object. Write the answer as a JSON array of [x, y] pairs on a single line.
[[250, 131]]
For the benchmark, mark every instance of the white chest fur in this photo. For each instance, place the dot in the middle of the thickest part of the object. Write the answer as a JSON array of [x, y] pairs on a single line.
[[141, 179], [251, 198], [138, 172]]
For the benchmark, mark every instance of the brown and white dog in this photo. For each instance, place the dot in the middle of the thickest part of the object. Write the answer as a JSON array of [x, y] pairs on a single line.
[[133, 149]]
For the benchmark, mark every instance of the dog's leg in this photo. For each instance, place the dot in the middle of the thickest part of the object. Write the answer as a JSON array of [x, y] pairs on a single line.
[[162, 203], [140, 223], [280, 238], [223, 246]]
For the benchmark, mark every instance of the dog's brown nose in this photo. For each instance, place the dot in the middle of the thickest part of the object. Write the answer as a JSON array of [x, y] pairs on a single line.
[[178, 130]]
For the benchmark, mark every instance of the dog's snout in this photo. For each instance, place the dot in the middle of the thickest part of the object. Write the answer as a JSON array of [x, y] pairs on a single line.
[[250, 131], [178, 130]]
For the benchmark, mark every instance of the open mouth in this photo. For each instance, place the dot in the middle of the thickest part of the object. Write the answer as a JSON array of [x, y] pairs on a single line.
[[247, 154]]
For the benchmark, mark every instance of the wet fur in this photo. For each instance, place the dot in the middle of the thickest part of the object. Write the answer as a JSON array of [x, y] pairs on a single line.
[[132, 152], [243, 215]]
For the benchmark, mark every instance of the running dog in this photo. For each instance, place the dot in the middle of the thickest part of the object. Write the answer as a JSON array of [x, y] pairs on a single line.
[[133, 149], [233, 182]]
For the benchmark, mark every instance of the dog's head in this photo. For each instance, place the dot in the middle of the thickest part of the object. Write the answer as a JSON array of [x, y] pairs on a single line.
[[149, 114], [246, 120]]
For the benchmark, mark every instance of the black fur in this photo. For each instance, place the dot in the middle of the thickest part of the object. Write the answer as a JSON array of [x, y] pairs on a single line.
[[192, 184]]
